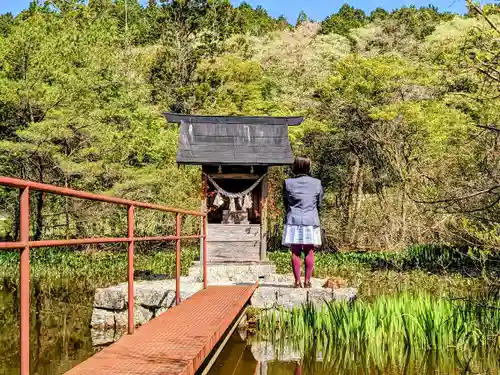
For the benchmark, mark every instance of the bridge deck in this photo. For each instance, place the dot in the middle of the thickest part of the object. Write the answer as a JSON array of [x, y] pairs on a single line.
[[176, 342]]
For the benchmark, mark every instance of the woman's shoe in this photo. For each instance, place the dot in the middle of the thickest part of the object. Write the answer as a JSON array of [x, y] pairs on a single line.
[[298, 285], [307, 285]]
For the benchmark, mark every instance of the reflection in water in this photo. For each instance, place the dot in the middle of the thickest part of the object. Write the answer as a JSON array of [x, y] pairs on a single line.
[[59, 334], [295, 358]]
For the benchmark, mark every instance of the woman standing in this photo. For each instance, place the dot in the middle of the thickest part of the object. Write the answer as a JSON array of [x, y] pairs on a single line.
[[302, 197]]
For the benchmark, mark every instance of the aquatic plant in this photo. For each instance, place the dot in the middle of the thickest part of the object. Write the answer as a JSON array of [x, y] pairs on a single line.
[[402, 322]]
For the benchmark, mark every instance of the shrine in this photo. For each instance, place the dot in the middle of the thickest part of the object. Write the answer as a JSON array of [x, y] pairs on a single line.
[[235, 154]]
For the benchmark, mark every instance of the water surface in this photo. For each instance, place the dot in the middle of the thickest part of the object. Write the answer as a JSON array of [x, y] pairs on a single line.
[[243, 356]]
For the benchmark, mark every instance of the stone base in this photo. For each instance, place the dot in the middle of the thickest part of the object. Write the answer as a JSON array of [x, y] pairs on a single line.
[[151, 298], [236, 217], [234, 272], [277, 291]]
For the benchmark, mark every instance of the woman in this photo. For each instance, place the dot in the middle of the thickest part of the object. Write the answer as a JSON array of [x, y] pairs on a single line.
[[302, 197]]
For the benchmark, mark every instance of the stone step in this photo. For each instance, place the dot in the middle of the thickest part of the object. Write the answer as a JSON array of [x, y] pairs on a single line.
[[233, 272]]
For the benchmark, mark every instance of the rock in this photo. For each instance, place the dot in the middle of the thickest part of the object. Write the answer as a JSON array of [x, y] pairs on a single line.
[[345, 294], [243, 323], [112, 298], [102, 337], [155, 294], [102, 319], [146, 293], [159, 311], [119, 332], [287, 281], [141, 316]]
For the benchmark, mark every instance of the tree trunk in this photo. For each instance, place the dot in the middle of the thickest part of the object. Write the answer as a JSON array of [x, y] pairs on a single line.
[[357, 204], [66, 209], [403, 215], [349, 202], [39, 217]]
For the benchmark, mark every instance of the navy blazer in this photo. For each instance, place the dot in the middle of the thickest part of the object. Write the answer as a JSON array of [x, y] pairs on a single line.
[[302, 197]]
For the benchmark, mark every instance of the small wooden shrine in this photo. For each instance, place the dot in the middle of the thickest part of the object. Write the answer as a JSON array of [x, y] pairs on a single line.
[[235, 154]]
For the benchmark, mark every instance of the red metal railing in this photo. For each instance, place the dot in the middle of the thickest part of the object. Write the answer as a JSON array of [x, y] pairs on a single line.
[[24, 244]]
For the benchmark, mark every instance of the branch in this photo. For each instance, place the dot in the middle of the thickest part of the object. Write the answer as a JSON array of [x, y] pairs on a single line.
[[480, 11], [492, 128], [456, 199], [466, 211], [485, 72]]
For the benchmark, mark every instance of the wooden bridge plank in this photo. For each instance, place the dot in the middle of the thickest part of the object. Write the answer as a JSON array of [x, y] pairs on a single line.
[[175, 343]]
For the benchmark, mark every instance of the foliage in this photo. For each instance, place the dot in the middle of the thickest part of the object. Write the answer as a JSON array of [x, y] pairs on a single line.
[[342, 22]]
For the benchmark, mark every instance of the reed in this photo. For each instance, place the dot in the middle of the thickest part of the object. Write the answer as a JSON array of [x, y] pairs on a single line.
[[402, 322]]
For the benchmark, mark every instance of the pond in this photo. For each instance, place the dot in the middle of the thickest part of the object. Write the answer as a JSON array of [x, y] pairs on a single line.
[[59, 334]]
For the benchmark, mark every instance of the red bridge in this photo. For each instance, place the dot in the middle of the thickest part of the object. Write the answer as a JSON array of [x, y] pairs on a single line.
[[178, 341]]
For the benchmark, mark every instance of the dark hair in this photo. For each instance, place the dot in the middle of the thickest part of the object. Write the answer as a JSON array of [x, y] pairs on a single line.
[[301, 165]]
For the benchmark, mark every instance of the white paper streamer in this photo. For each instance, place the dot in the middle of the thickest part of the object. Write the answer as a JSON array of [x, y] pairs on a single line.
[[218, 201], [247, 202]]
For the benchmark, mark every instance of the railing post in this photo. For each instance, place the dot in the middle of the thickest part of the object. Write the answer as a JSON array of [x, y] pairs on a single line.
[[178, 259], [24, 270], [130, 221], [205, 218]]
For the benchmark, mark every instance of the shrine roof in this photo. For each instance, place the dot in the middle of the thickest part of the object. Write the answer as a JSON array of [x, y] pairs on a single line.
[[234, 140]]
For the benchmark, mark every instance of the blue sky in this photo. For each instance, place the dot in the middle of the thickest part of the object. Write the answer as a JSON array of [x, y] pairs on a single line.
[[315, 9]]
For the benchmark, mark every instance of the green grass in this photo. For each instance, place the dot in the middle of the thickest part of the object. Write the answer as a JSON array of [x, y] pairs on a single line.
[[68, 272], [430, 258], [434, 269]]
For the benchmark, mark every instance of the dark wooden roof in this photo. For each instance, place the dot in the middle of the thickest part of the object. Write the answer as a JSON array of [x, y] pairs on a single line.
[[232, 140]]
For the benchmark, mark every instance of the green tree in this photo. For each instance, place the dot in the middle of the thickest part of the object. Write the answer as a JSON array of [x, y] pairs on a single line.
[[302, 18], [344, 20], [6, 22]]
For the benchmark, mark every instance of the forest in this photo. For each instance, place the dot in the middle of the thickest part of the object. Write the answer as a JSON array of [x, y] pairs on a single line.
[[401, 112]]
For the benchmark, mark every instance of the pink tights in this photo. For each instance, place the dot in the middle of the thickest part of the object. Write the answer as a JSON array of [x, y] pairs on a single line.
[[309, 262]]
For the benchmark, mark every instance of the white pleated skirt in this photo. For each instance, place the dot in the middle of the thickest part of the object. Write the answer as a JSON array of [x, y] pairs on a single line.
[[301, 235]]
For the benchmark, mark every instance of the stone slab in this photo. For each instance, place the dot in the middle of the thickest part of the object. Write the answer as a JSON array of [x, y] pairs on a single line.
[[102, 337], [112, 298], [277, 291]]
